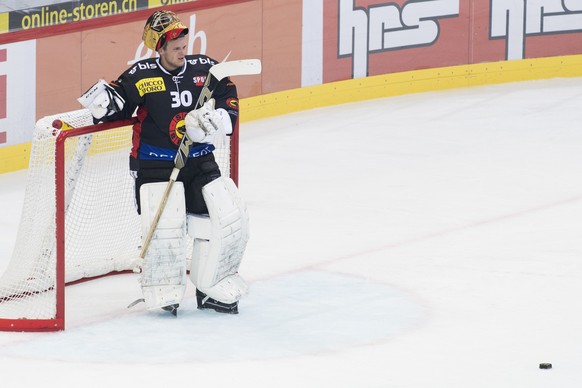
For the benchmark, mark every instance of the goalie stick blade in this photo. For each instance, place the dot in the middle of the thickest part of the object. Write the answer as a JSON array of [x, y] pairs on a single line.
[[240, 67]]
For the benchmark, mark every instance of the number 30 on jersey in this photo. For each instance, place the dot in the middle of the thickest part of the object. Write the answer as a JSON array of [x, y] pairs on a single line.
[[183, 98]]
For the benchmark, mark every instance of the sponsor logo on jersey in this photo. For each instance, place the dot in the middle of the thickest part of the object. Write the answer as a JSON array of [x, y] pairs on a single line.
[[142, 66], [201, 150], [150, 85], [202, 61], [199, 80], [150, 152]]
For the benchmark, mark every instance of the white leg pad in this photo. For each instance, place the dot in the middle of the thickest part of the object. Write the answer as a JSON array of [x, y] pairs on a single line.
[[163, 275], [220, 240]]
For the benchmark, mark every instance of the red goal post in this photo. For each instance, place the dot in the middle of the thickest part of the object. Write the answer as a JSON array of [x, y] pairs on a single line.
[[78, 218]]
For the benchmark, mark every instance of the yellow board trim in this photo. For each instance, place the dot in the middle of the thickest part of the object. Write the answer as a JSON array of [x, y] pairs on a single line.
[[408, 82], [14, 157], [267, 105]]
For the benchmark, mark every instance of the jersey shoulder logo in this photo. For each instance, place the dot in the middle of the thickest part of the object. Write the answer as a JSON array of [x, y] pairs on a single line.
[[233, 103], [150, 85]]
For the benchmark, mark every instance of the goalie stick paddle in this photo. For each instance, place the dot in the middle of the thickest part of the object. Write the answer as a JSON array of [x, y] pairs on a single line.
[[215, 75]]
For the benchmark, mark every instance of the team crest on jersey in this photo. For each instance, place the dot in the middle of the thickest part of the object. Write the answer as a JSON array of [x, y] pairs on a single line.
[[199, 80], [178, 127], [150, 85], [232, 102]]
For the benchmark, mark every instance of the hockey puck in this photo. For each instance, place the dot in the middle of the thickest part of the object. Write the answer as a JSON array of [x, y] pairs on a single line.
[[545, 365]]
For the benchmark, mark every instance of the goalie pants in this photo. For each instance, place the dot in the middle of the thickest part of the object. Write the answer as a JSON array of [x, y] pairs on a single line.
[[197, 172]]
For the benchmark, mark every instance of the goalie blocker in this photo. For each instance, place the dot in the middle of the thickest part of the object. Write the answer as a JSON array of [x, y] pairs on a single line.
[[219, 242]]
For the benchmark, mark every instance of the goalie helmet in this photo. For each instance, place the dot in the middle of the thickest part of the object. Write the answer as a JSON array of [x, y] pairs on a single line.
[[161, 27]]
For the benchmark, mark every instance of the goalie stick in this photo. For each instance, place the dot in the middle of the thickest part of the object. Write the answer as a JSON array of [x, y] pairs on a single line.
[[215, 75]]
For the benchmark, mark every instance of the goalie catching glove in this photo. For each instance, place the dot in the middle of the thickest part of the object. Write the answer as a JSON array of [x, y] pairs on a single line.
[[206, 123], [102, 100]]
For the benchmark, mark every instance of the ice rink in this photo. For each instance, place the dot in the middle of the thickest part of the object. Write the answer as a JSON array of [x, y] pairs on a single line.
[[428, 240]]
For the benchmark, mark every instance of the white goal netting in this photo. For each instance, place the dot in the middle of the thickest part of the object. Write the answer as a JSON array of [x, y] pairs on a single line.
[[102, 227]]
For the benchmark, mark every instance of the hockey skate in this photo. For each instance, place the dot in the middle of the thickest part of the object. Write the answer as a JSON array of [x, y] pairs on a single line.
[[173, 308], [207, 303]]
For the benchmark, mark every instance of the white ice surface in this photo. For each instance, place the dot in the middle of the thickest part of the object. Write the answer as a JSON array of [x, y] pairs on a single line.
[[429, 240]]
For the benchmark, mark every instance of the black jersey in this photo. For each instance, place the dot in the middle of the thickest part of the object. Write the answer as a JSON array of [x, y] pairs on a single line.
[[162, 100]]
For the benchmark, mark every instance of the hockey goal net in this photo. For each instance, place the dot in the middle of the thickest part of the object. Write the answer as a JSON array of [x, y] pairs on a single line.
[[79, 220]]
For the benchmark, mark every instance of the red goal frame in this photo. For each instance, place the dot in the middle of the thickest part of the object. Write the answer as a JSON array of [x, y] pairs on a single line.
[[58, 322]]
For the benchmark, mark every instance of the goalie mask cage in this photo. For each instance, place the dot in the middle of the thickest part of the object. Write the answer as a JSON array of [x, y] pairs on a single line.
[[79, 221]]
